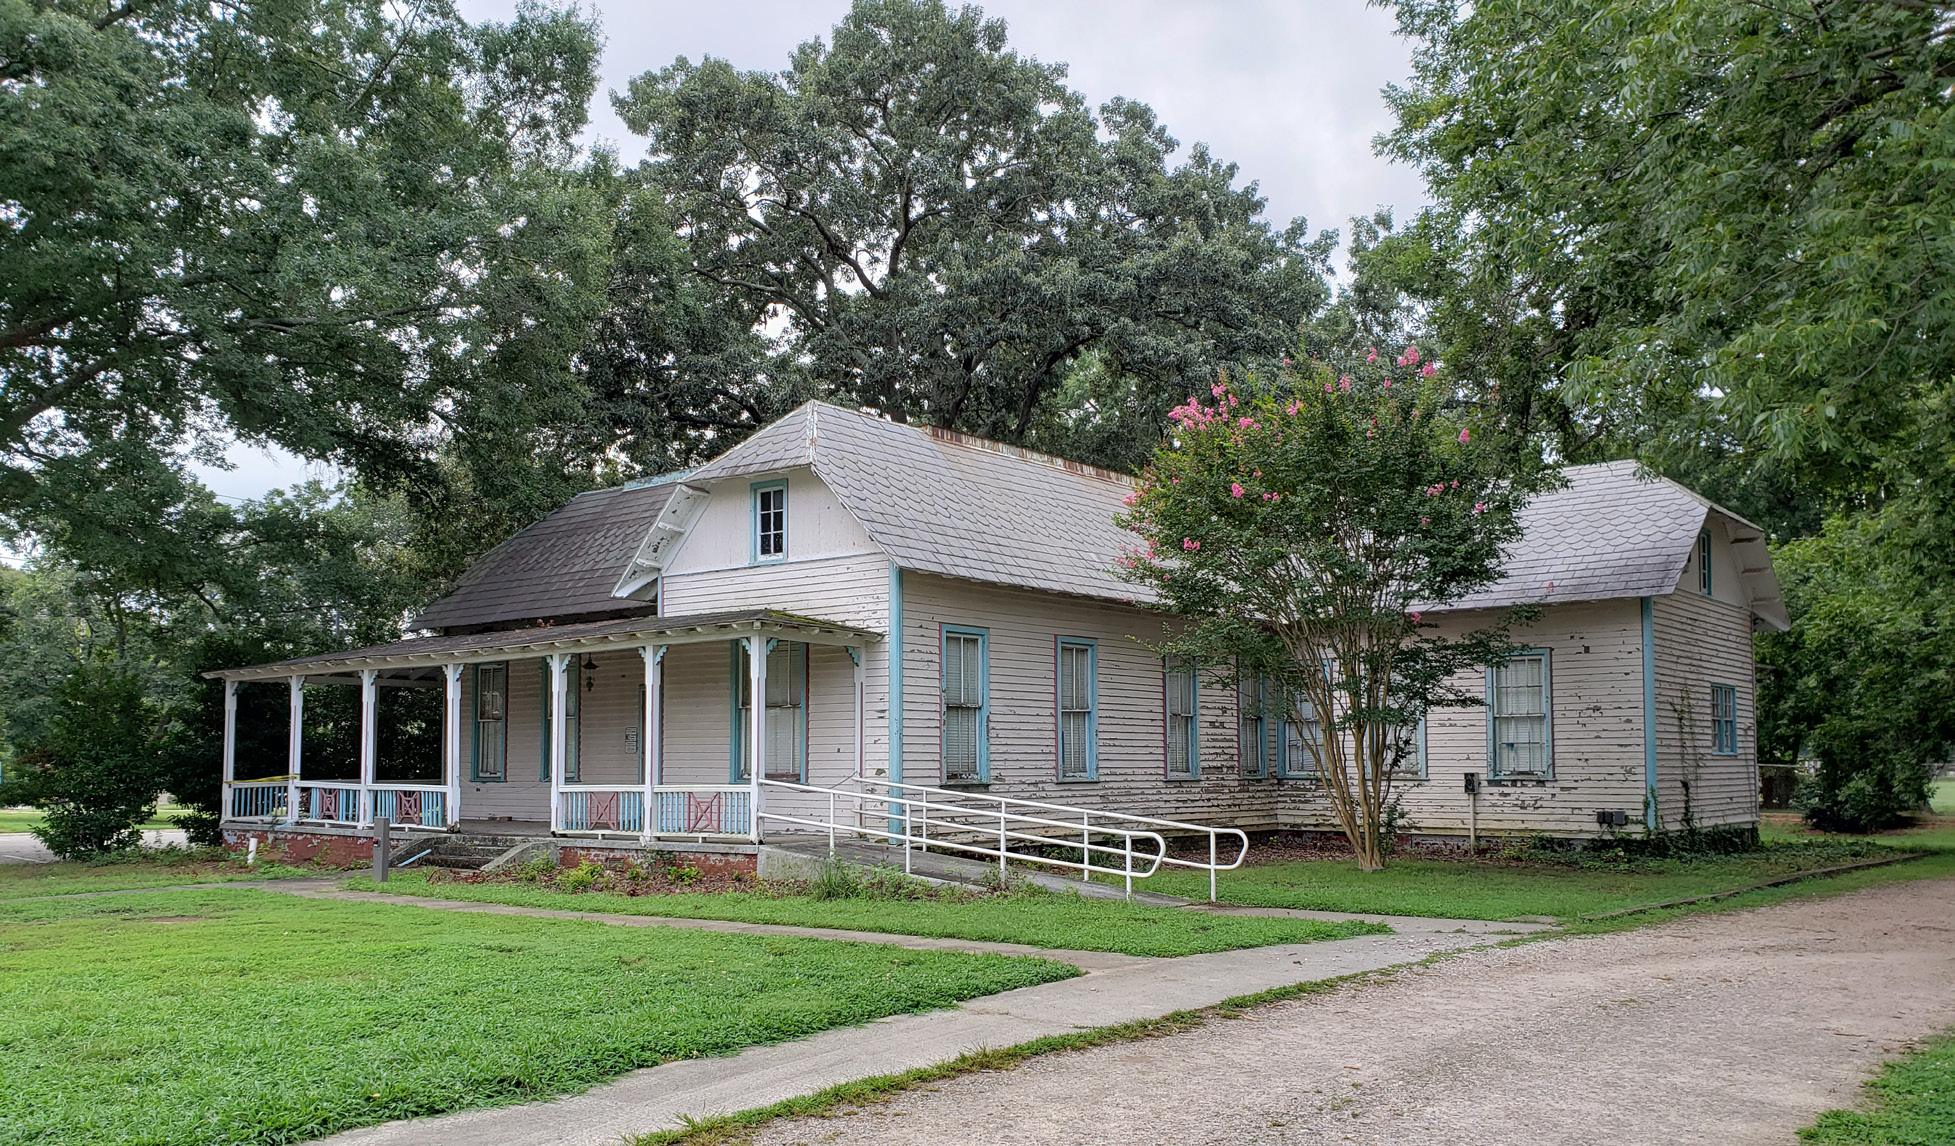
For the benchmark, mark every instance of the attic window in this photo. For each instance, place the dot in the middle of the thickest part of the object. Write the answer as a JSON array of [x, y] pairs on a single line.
[[770, 521], [1704, 562]]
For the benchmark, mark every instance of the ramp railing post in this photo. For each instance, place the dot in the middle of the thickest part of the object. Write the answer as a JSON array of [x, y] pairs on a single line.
[[1001, 847], [1086, 847]]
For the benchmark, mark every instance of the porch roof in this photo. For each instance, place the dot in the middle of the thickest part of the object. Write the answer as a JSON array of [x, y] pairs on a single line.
[[424, 653]]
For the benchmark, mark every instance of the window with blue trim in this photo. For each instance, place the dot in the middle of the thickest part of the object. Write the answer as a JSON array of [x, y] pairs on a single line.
[[1300, 736], [490, 754], [1183, 704], [1078, 699], [1704, 562], [770, 521], [966, 688], [1724, 720], [1518, 731], [787, 711], [1254, 745], [1412, 753]]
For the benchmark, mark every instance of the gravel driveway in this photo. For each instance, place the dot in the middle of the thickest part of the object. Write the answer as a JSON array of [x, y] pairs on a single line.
[[1728, 1029]]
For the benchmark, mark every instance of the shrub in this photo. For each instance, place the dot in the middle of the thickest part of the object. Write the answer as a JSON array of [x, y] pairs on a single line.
[[94, 775], [582, 877]]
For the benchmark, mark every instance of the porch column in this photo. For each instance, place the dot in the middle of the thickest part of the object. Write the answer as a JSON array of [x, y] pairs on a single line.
[[294, 749], [230, 742], [652, 751], [559, 738], [369, 740], [451, 742], [757, 732]]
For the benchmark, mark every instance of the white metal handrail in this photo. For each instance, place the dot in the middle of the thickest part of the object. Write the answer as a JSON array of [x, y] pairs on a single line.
[[915, 820], [1088, 815]]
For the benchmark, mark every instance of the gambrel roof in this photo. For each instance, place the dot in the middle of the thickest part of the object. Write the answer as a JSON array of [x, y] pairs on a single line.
[[1614, 532], [564, 566], [942, 502]]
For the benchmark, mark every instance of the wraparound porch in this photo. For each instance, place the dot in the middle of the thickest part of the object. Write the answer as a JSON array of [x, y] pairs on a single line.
[[603, 771]]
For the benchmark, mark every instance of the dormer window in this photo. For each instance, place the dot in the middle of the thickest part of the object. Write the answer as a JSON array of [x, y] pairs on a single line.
[[1704, 562], [770, 521]]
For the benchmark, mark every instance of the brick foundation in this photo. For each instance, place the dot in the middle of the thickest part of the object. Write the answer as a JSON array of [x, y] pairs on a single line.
[[326, 850], [716, 864]]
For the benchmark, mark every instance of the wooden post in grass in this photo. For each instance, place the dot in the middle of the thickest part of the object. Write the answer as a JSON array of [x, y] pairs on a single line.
[[383, 840]]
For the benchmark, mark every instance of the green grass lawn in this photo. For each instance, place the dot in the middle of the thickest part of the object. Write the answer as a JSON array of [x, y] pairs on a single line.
[[27, 819], [128, 870], [1501, 889], [1038, 919], [1912, 1104], [207, 1017]]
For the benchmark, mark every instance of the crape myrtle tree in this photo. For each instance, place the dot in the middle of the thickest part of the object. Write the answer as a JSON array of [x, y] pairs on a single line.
[[1304, 525]]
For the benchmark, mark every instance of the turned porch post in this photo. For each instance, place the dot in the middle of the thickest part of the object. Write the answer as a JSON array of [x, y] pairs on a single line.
[[451, 742], [559, 736], [230, 741], [652, 751], [369, 740], [294, 749], [757, 733]]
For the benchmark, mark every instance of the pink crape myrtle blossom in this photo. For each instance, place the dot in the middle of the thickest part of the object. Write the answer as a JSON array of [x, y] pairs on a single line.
[[1235, 489], [1428, 370], [1190, 544], [1465, 436]]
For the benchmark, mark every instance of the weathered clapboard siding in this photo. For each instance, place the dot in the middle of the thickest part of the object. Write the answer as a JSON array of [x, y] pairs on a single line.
[[1702, 641], [1596, 706], [1023, 629], [832, 572], [521, 795], [609, 716]]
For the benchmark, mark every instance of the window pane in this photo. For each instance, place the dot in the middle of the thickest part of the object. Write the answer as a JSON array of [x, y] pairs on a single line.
[[1072, 741], [960, 743]]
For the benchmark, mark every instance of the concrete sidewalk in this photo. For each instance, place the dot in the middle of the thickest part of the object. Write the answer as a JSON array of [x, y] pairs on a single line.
[[1115, 989]]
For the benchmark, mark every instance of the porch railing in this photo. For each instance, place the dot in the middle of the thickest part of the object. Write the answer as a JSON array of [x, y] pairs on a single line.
[[255, 800], [703, 810], [409, 806], [590, 808], [337, 804]]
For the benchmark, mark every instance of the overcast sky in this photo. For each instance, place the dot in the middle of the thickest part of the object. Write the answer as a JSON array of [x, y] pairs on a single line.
[[1286, 89]]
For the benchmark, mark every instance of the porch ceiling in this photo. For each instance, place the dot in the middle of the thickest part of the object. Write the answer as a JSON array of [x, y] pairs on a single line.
[[422, 656]]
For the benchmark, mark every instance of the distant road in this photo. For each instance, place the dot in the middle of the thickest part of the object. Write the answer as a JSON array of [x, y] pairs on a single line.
[[19, 847]]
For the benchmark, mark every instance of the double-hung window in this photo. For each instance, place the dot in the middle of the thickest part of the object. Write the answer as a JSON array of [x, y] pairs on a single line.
[[966, 755], [787, 711], [1303, 738], [1077, 701], [1184, 748], [1724, 720], [1259, 712], [1412, 752], [1518, 728], [770, 521], [1704, 562], [491, 753]]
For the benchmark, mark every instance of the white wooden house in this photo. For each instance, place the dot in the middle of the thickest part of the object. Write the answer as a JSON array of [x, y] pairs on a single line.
[[934, 610]]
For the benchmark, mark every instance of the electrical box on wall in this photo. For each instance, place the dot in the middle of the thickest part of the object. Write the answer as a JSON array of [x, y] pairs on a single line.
[[1612, 817]]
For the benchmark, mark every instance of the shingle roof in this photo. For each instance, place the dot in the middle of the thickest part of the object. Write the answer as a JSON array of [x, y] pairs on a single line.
[[565, 565], [941, 502], [1613, 532]]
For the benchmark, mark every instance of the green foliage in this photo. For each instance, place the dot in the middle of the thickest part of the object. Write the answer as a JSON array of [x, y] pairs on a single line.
[[1913, 1104], [453, 1011], [94, 774], [948, 232], [1302, 526], [1863, 687], [1717, 234], [320, 225]]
